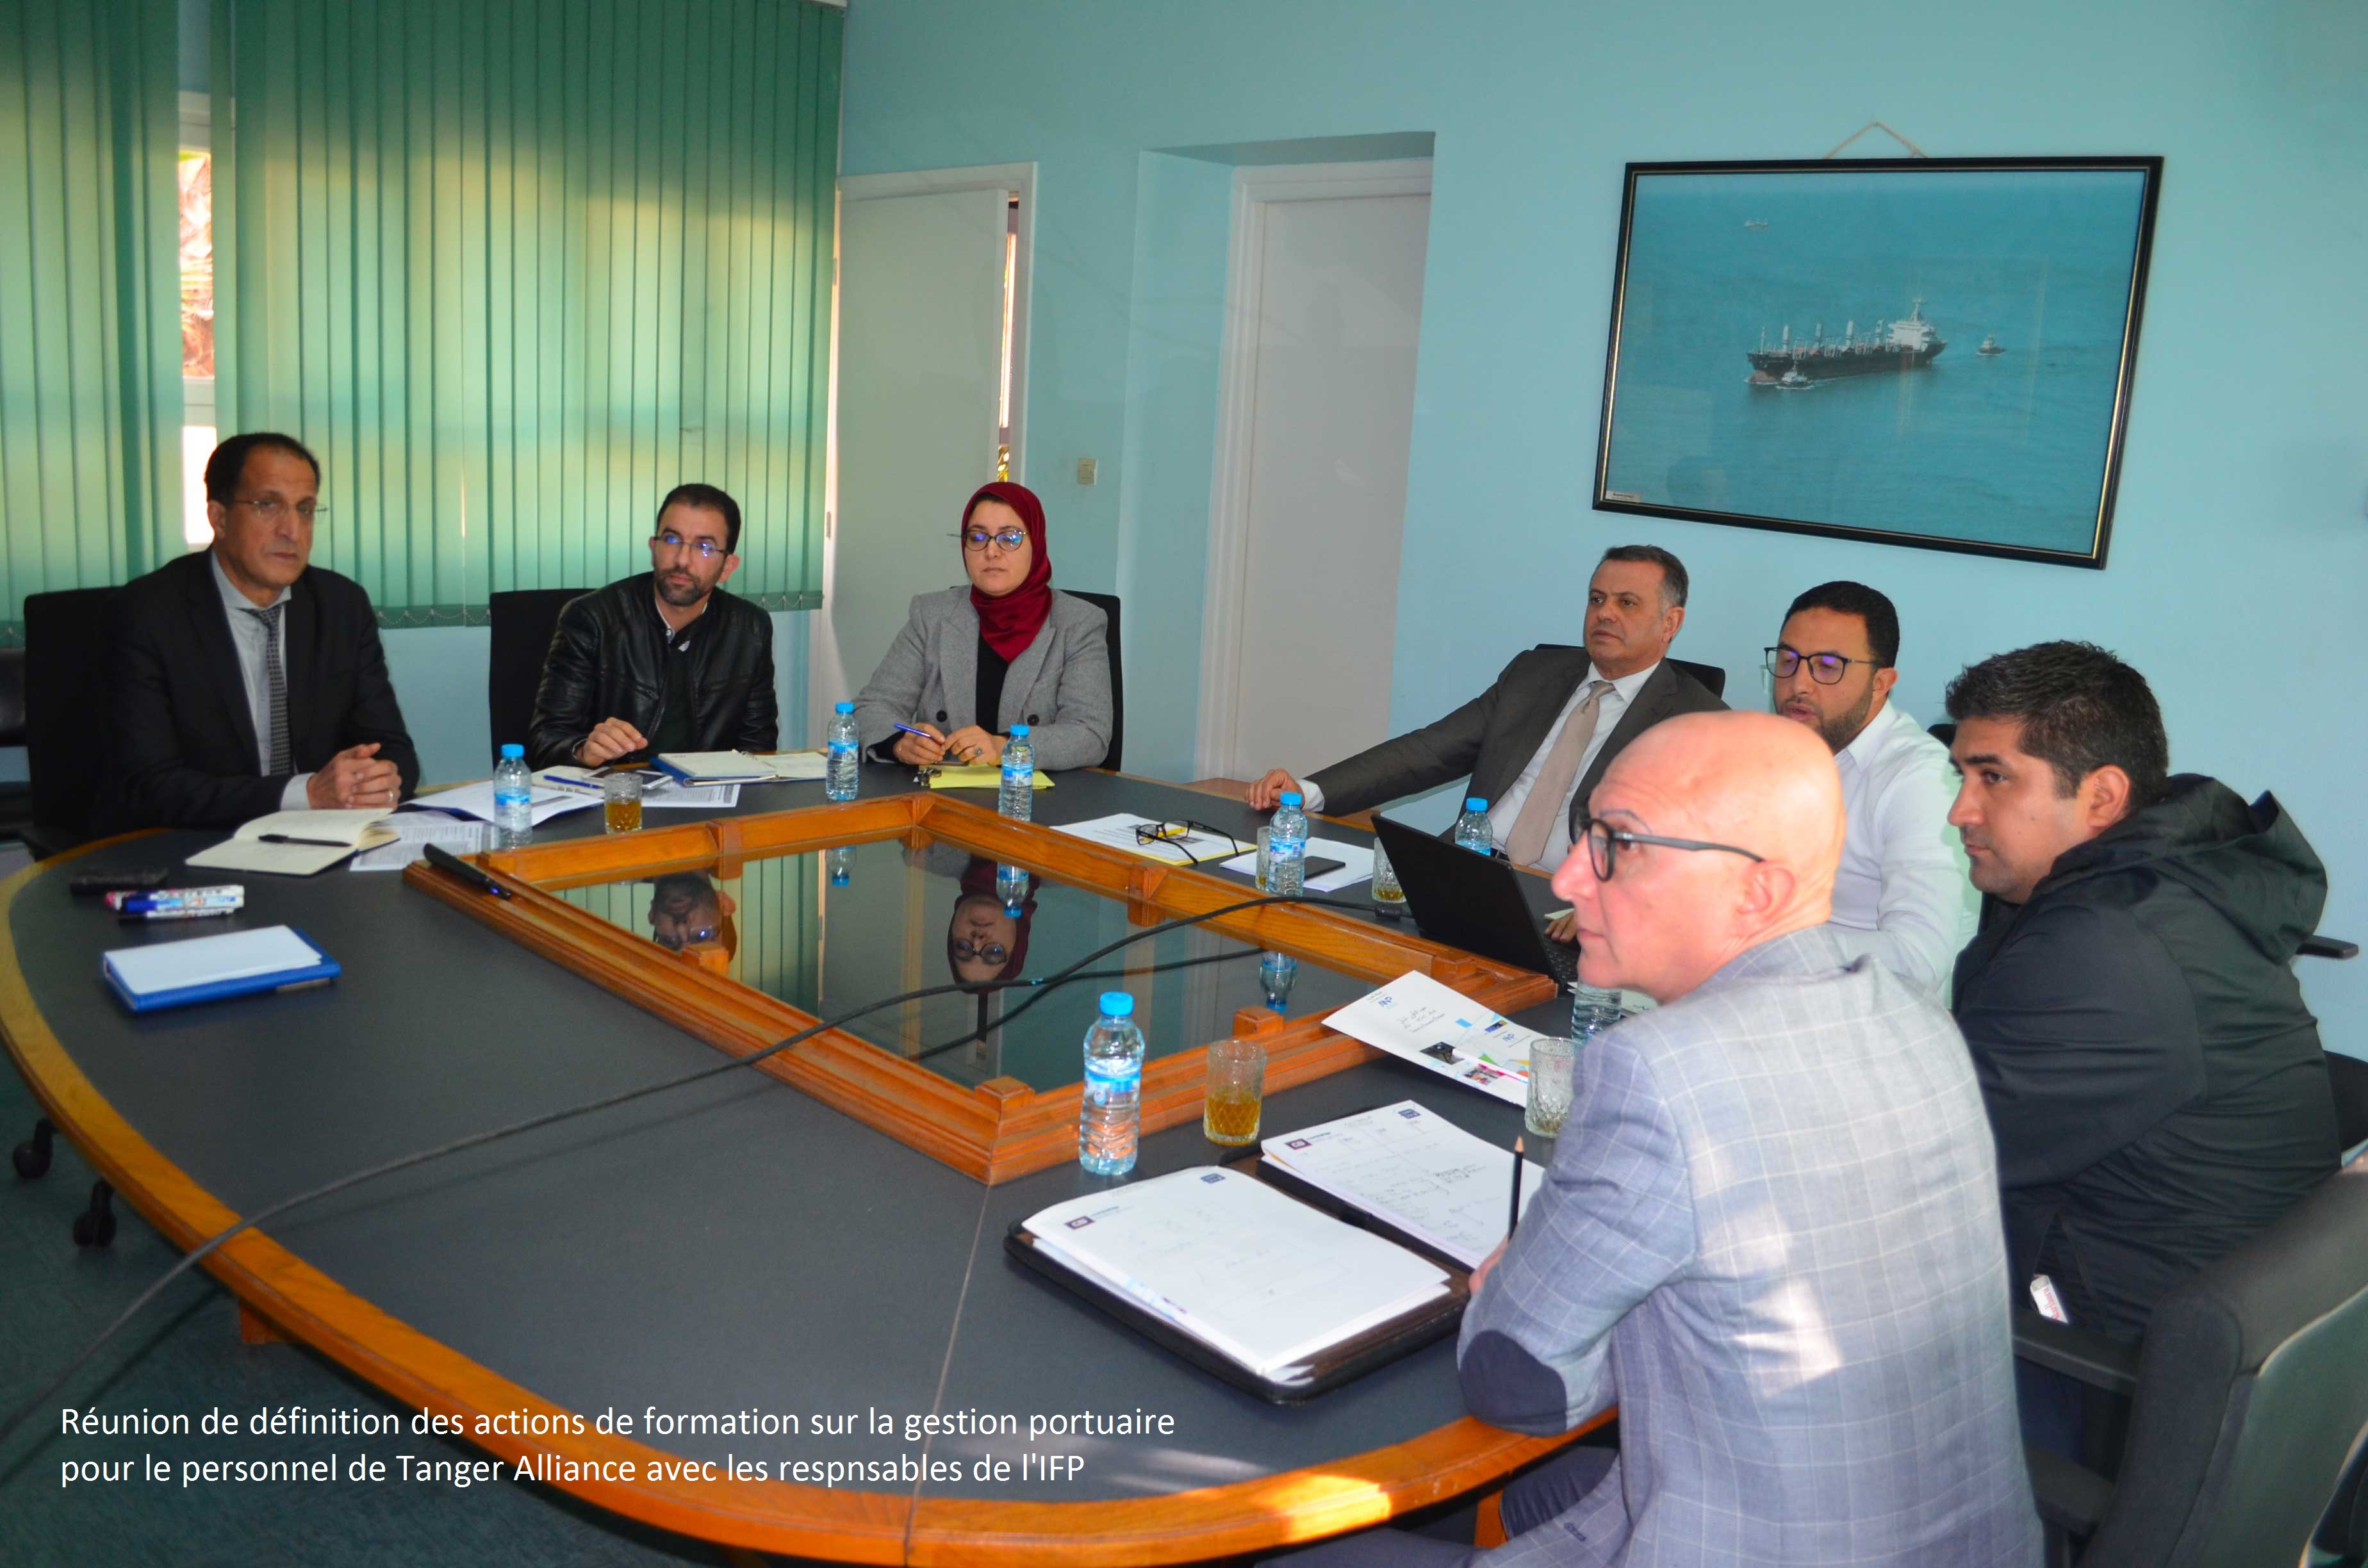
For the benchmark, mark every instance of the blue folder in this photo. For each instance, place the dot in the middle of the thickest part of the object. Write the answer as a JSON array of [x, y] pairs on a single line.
[[153, 999]]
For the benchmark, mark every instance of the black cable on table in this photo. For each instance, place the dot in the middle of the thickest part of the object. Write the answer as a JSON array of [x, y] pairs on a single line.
[[1042, 987]]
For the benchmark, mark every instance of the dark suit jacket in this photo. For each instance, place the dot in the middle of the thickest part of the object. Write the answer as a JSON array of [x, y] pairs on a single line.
[[184, 737], [1492, 737]]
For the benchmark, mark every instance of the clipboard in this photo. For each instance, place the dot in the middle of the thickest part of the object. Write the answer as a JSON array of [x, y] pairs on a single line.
[[296, 978], [1343, 1362]]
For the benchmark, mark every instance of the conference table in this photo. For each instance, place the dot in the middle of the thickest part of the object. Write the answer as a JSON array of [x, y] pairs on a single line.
[[754, 1266]]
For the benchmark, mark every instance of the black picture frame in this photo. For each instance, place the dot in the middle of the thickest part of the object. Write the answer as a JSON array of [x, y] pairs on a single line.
[[2012, 448]]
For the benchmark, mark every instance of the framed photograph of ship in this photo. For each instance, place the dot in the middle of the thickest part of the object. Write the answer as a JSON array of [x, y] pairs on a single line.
[[1930, 351]]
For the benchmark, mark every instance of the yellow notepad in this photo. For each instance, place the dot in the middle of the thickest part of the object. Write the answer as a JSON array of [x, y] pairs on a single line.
[[984, 776]]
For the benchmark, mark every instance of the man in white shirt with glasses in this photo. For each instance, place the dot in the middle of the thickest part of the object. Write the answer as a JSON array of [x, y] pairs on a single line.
[[1902, 893]]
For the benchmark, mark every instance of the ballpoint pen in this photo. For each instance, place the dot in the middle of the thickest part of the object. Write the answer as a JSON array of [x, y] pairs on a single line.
[[1514, 1218]]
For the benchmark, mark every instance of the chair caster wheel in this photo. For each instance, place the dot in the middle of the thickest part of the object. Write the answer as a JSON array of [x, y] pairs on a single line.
[[95, 1226], [32, 1157]]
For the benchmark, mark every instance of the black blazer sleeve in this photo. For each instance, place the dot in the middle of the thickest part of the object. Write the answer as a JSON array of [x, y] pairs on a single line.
[[571, 683], [760, 720], [1420, 759], [157, 782]]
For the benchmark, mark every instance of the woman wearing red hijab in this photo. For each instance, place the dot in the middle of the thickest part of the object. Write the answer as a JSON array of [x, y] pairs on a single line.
[[1008, 650]]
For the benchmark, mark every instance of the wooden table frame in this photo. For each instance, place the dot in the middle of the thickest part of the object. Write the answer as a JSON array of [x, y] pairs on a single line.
[[1004, 1127]]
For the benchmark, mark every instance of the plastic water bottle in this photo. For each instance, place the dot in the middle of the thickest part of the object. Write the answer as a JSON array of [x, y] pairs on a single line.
[[1277, 973], [1472, 828], [1110, 1114], [838, 863], [1286, 847], [839, 765], [513, 798], [1012, 888], [1593, 1011], [1018, 798]]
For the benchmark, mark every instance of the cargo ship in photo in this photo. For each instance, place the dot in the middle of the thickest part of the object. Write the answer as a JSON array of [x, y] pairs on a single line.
[[1906, 344]]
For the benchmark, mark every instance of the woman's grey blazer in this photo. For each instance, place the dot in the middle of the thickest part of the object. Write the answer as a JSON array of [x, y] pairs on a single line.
[[1059, 685]]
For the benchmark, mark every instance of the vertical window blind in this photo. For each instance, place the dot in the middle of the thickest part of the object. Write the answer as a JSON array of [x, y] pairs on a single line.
[[90, 335], [515, 268]]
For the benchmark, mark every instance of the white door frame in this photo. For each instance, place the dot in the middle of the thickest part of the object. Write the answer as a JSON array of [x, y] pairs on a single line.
[[824, 680], [1255, 189]]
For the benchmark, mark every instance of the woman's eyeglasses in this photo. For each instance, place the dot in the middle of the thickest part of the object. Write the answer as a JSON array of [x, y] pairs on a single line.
[[1826, 669], [968, 951], [1603, 842], [1005, 540]]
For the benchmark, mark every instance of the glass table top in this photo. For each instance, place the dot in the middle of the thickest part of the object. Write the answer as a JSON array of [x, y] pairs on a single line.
[[828, 931]]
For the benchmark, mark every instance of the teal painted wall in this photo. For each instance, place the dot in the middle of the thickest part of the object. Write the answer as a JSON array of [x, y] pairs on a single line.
[[2240, 546]]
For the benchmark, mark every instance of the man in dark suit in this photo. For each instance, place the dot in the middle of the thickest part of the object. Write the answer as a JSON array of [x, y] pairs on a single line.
[[246, 680], [1536, 743]]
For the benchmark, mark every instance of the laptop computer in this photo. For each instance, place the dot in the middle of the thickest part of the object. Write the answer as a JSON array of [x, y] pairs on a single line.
[[1473, 902]]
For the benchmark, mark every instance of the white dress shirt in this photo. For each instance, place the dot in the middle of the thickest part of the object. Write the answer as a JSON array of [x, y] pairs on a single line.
[[248, 640], [1504, 813], [1903, 893]]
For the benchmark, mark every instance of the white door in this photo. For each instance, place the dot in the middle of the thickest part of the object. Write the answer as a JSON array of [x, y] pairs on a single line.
[[920, 361], [1319, 409]]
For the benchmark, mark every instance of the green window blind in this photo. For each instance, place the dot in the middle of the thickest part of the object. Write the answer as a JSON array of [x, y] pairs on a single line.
[[515, 268], [90, 332]]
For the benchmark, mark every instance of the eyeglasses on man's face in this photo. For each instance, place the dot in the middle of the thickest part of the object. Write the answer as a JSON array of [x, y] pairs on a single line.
[[706, 549], [271, 508], [1826, 669], [1603, 842], [1006, 539]]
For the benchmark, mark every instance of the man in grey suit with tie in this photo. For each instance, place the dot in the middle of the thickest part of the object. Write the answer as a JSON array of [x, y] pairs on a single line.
[[1536, 742], [1767, 1233]]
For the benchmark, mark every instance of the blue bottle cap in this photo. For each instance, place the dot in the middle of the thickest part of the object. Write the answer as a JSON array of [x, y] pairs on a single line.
[[1117, 1004], [511, 748], [1294, 797], [1018, 732], [844, 708], [1475, 804]]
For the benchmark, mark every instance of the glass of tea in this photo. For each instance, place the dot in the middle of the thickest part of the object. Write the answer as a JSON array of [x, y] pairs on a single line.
[[1236, 1087], [620, 801]]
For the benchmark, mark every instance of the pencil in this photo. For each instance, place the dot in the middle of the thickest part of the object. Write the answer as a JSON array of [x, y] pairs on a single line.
[[1514, 1219]]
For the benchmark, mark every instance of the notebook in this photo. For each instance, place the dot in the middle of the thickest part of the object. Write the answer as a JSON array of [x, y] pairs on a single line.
[[1267, 1284], [741, 767], [324, 838], [978, 776], [1413, 1170], [158, 975]]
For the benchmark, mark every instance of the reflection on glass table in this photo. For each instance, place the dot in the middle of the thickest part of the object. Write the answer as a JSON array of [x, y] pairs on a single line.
[[829, 930]]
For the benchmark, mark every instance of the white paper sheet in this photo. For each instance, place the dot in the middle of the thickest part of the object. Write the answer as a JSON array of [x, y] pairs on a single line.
[[709, 797], [1117, 831], [1265, 1279], [1356, 864], [477, 801], [1414, 1169], [1417, 1017], [416, 831]]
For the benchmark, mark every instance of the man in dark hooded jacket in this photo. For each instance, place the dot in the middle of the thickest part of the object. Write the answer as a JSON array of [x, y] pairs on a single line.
[[2154, 1082]]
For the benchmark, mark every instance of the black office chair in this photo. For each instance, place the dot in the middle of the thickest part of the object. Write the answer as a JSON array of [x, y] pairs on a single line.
[[1108, 605], [522, 621], [2246, 1401], [66, 714], [15, 796], [2343, 1533], [1946, 734], [1710, 676], [2348, 1076]]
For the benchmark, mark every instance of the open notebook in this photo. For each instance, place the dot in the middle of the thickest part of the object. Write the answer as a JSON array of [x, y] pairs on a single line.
[[1264, 1282], [1413, 1170], [295, 844], [742, 768]]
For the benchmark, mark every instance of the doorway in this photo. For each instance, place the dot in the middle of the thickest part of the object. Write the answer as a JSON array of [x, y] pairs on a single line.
[[1308, 506], [929, 402]]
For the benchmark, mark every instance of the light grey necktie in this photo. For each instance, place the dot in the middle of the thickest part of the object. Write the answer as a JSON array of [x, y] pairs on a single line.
[[275, 682], [1549, 795]]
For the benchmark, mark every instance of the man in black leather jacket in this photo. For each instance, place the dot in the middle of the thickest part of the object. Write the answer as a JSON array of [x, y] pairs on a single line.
[[662, 661], [2154, 1080]]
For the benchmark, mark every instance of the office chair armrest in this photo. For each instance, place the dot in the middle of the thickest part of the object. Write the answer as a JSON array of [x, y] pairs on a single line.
[[2071, 1497], [2091, 1358], [2318, 946]]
